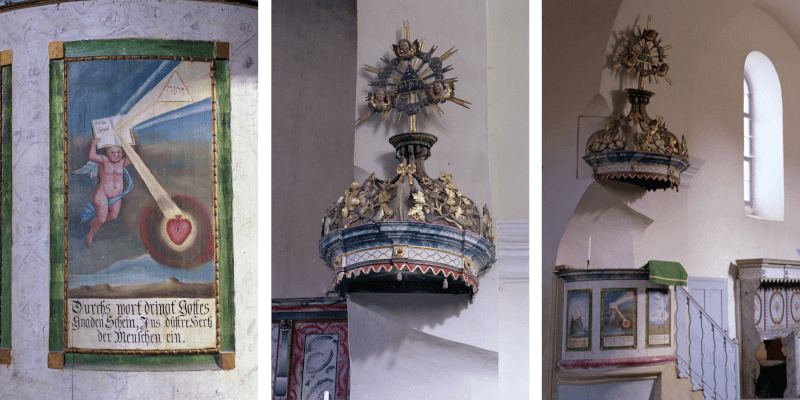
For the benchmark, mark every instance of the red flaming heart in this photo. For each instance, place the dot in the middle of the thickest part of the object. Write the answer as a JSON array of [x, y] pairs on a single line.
[[179, 229]]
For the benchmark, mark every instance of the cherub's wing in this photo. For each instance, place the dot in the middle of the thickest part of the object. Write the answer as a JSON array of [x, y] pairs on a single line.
[[91, 168]]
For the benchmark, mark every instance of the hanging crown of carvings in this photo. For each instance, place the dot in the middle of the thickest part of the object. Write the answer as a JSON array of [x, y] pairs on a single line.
[[412, 232], [636, 148]]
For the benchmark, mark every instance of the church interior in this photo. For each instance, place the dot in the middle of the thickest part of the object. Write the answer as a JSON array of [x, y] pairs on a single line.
[[721, 78]]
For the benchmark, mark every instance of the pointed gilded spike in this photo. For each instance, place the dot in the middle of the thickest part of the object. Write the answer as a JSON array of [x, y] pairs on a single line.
[[438, 110], [386, 115], [462, 103], [449, 53], [649, 18], [371, 69], [364, 117], [425, 113], [667, 47], [397, 120], [667, 79]]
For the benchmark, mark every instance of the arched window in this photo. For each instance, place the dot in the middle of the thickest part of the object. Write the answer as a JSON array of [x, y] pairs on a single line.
[[763, 139], [748, 151]]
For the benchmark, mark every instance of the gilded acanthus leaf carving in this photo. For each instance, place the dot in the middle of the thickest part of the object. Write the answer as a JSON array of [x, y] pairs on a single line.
[[434, 201]]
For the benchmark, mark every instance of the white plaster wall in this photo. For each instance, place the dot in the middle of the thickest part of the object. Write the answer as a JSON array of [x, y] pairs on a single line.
[[27, 32], [508, 108], [389, 360], [702, 227]]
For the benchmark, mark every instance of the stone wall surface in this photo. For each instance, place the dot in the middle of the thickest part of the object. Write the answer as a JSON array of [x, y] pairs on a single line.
[[27, 32]]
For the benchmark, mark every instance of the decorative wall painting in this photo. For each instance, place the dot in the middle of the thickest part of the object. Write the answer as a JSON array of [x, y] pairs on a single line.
[[140, 217], [776, 307], [758, 309], [618, 318], [659, 317], [579, 320], [793, 319]]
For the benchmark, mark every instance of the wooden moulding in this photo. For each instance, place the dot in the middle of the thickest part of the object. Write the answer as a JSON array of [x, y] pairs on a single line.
[[5, 356], [222, 50], [5, 58], [227, 360], [55, 360], [56, 50]]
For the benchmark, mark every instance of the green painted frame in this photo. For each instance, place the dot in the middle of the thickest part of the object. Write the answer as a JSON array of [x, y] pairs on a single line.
[[5, 207], [588, 347], [603, 317], [214, 52], [647, 317]]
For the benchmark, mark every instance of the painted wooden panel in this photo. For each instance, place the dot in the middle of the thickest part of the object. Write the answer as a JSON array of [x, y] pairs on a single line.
[[276, 332], [320, 361], [708, 356], [185, 226], [793, 309], [792, 379], [758, 309], [320, 358], [775, 310], [682, 338], [719, 362], [695, 347], [712, 295]]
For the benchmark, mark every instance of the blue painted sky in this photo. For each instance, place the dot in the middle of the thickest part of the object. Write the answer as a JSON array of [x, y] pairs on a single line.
[[101, 89]]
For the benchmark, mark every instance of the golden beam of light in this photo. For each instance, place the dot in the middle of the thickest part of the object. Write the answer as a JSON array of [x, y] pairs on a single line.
[[438, 110], [364, 117], [667, 47], [425, 113], [462, 103], [667, 79], [397, 120], [394, 77], [162, 198], [402, 64], [386, 115], [447, 54], [371, 69], [196, 79], [407, 29], [622, 33], [649, 17], [423, 72]]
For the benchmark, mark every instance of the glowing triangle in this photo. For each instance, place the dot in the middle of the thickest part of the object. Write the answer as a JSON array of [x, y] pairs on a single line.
[[410, 82], [175, 90], [645, 55]]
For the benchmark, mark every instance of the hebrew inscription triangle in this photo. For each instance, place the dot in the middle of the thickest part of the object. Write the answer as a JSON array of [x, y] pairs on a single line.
[[410, 82], [175, 90]]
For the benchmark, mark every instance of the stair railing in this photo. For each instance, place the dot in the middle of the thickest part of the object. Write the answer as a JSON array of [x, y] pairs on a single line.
[[706, 355]]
